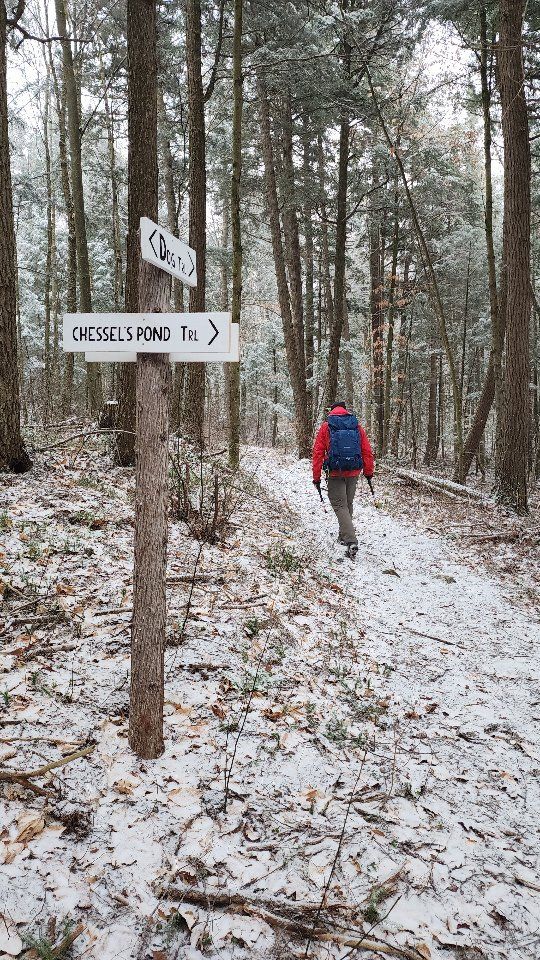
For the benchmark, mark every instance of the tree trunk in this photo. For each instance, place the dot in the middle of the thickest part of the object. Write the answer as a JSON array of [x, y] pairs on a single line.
[[234, 368], [325, 250], [291, 234], [152, 294], [492, 388], [435, 294], [390, 334], [142, 193], [431, 443], [195, 387], [151, 506], [95, 389], [48, 257], [71, 291], [298, 382], [115, 211], [309, 271], [514, 447], [179, 372], [274, 394], [376, 288], [347, 359], [341, 242], [402, 379], [13, 455]]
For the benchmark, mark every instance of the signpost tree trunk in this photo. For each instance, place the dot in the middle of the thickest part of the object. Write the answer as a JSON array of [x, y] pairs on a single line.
[[149, 286], [149, 600]]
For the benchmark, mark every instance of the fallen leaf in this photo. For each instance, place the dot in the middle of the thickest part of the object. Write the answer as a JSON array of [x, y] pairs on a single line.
[[98, 522], [29, 824], [12, 850], [64, 589], [124, 786]]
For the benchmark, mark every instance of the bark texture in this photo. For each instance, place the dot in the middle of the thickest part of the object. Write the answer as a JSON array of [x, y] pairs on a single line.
[[298, 383], [71, 283], [195, 387], [95, 389], [514, 442], [233, 378], [142, 188], [13, 455], [341, 241], [377, 324], [492, 387], [149, 578]]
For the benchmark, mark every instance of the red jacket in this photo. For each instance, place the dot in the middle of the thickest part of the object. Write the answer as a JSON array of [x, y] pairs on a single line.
[[322, 446]]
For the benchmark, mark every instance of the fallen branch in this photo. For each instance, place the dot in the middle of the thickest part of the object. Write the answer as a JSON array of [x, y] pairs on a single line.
[[226, 898], [77, 436], [508, 536], [63, 945], [26, 776], [431, 636], [260, 908]]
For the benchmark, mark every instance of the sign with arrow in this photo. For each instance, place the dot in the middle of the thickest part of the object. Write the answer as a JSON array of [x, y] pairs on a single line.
[[232, 355], [167, 252], [203, 335]]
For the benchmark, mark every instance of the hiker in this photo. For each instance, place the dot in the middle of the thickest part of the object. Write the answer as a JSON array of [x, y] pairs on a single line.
[[343, 450]]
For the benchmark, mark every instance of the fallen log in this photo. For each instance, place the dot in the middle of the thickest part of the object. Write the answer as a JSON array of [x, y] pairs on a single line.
[[437, 484]]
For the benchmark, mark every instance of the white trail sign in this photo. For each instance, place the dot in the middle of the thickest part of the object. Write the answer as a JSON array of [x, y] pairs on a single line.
[[167, 252]]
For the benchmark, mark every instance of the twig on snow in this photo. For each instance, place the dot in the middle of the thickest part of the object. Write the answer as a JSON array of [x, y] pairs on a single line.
[[338, 850], [25, 777]]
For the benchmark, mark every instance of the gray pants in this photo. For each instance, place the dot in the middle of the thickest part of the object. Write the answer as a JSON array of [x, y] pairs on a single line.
[[341, 491]]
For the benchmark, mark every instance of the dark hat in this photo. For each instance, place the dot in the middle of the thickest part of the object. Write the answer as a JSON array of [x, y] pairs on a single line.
[[339, 404]]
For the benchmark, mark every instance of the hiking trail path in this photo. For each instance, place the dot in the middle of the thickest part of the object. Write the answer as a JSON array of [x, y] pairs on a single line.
[[379, 722], [464, 664]]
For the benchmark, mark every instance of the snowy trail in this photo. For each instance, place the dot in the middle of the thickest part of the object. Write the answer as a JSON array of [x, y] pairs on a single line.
[[479, 736], [380, 721]]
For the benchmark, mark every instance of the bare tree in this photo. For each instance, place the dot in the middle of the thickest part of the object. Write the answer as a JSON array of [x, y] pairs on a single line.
[[514, 442], [95, 388], [195, 387], [234, 368], [13, 455]]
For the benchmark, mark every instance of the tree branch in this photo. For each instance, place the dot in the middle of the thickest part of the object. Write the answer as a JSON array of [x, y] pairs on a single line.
[[213, 76]]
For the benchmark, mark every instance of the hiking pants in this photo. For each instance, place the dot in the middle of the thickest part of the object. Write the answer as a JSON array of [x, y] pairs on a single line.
[[341, 492]]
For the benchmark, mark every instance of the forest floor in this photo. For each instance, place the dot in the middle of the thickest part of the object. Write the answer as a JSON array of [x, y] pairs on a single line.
[[373, 728]]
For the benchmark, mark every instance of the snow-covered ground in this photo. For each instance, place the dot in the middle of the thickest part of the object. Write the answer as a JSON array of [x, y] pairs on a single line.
[[379, 722]]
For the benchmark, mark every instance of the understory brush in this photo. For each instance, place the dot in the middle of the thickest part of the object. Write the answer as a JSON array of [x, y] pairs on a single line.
[[205, 492]]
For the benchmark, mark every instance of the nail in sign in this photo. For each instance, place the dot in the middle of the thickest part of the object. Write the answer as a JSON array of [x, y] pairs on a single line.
[[159, 247]]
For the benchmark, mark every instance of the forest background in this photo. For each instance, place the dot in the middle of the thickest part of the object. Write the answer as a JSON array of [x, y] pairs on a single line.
[[359, 182]]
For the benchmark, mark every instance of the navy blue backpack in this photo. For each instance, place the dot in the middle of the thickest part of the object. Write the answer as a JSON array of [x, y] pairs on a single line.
[[345, 451]]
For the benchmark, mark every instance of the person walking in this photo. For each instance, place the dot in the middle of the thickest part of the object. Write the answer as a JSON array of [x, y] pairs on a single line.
[[343, 450]]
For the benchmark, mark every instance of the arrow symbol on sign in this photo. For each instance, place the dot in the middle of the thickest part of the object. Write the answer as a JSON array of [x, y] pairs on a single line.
[[215, 334], [191, 271], [151, 244]]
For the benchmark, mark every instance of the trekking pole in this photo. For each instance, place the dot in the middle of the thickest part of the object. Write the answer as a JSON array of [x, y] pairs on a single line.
[[370, 485], [319, 491]]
